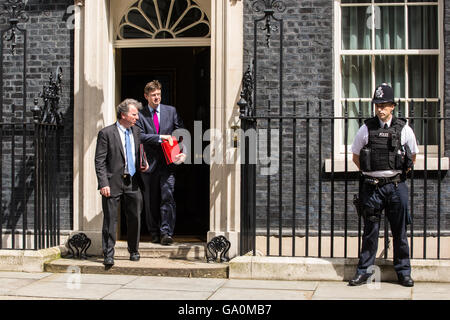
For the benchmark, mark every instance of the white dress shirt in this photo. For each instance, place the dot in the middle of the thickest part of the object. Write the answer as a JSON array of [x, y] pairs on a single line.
[[122, 130]]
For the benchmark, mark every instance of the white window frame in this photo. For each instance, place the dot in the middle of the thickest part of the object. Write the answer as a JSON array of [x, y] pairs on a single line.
[[338, 52]]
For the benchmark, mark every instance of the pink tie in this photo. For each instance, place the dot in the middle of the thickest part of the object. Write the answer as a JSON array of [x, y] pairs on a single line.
[[155, 121]]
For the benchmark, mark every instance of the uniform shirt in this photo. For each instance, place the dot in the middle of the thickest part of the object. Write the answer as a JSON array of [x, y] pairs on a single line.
[[122, 130], [362, 138]]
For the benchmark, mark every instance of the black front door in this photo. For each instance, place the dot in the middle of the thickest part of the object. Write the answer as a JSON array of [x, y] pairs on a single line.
[[185, 76]]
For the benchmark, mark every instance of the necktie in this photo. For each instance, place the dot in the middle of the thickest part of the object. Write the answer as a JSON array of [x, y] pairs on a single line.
[[385, 126], [156, 121], [130, 162]]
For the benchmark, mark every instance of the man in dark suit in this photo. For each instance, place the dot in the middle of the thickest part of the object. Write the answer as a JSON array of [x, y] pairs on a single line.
[[116, 165], [157, 123]]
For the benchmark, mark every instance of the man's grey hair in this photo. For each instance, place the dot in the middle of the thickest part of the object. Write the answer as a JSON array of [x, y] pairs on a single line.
[[124, 107]]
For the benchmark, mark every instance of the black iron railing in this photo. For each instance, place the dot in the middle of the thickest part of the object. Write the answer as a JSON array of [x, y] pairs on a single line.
[[304, 207], [29, 175], [29, 149], [29, 216], [298, 199]]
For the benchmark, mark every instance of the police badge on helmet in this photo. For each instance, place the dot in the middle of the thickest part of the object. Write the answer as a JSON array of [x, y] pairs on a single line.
[[383, 93]]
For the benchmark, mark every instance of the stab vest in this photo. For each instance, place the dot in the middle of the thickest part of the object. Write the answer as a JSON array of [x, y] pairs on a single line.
[[384, 150]]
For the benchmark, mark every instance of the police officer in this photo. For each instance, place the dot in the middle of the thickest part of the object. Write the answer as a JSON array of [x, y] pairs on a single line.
[[384, 149]]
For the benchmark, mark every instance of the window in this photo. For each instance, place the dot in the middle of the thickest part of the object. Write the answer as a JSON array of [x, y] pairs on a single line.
[[394, 41], [162, 19]]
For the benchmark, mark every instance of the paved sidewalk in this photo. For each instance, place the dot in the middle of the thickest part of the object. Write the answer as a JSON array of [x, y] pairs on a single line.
[[36, 286]]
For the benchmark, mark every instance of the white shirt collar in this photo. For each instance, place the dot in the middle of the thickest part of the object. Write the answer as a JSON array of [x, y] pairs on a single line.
[[157, 108], [388, 123], [121, 127]]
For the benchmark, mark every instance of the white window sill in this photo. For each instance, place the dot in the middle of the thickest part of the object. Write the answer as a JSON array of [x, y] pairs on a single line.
[[432, 163]]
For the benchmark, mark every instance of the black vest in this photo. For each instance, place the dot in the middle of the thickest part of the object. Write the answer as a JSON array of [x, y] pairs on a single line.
[[384, 150]]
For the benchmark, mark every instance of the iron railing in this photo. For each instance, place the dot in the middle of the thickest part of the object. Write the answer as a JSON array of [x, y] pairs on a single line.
[[305, 208], [29, 150], [29, 175], [303, 205], [29, 219]]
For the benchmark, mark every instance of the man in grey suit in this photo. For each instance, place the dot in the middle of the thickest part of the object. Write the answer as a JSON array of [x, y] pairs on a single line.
[[157, 122], [117, 168]]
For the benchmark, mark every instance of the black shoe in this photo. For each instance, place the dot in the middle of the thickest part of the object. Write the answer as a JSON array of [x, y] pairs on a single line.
[[156, 238], [359, 279], [108, 262], [135, 256], [166, 240], [406, 281]]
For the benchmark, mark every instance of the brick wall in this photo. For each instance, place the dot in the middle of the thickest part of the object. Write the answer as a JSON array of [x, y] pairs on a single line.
[[308, 74], [49, 45]]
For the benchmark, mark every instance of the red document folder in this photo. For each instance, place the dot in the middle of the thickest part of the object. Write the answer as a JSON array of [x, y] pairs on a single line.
[[170, 151]]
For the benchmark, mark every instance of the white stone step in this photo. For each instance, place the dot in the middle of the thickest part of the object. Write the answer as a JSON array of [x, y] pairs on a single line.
[[177, 250]]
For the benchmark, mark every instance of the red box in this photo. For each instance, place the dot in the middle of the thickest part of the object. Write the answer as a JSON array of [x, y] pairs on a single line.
[[170, 152]]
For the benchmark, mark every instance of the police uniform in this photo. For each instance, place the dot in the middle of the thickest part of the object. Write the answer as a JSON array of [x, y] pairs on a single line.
[[385, 151]]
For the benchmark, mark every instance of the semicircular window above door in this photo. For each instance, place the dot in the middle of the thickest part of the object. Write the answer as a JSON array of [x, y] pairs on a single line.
[[164, 19]]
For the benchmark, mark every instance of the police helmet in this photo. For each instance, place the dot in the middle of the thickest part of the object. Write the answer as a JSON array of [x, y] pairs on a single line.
[[383, 93]]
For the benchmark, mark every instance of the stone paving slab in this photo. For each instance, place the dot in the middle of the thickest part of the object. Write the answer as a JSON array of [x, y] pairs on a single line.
[[178, 284], [58, 290], [29, 298], [270, 284], [139, 294], [36, 286], [91, 278], [260, 294], [430, 296], [8, 286], [431, 291], [341, 290], [23, 275], [430, 287]]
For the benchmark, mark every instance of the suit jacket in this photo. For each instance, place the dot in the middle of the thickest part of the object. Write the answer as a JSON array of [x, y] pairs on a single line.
[[169, 121], [110, 159]]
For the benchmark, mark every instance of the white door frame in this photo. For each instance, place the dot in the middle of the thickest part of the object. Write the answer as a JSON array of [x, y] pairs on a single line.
[[94, 104]]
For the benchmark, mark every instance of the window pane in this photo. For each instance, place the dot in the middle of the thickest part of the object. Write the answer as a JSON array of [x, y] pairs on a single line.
[[353, 124], [423, 76], [355, 1], [425, 130], [356, 76], [390, 27], [356, 24], [422, 27], [391, 70]]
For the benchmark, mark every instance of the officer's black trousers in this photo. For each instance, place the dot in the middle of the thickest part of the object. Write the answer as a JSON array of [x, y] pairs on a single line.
[[395, 199]]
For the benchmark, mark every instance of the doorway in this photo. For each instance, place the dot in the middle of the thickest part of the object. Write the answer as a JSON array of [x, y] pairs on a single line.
[[184, 73]]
